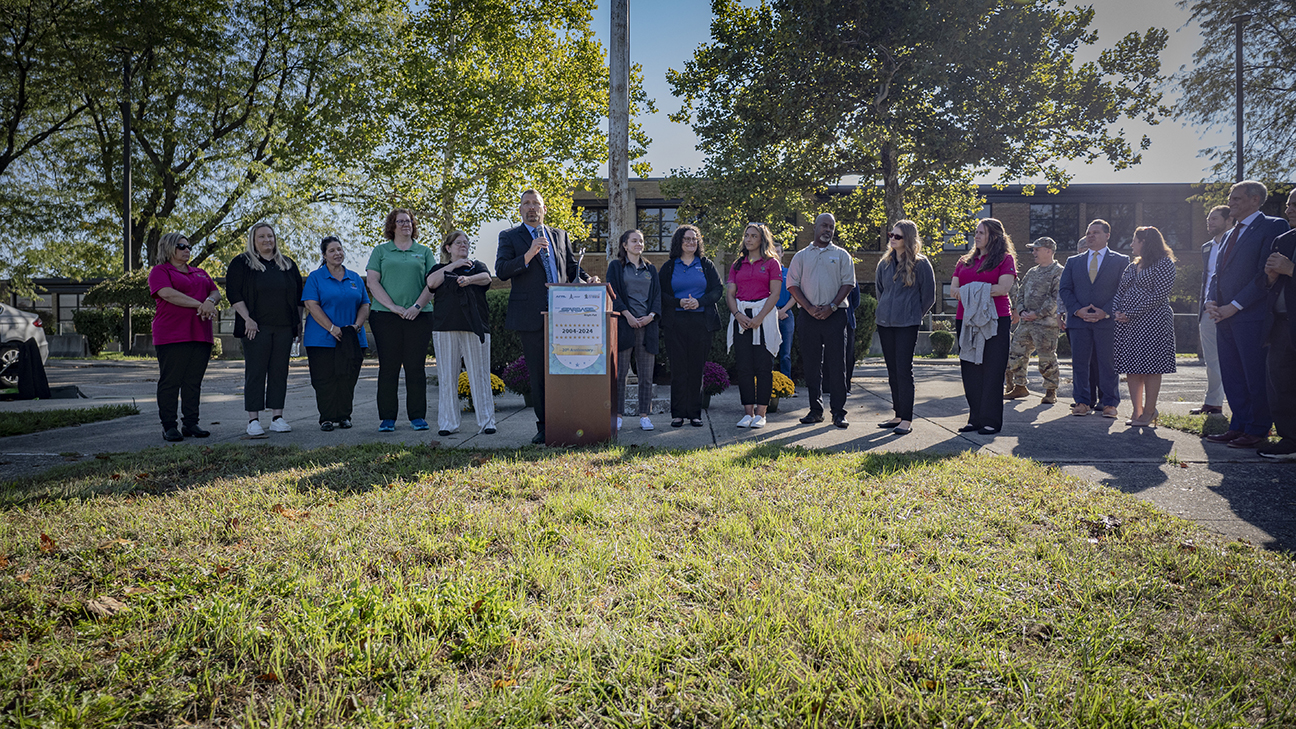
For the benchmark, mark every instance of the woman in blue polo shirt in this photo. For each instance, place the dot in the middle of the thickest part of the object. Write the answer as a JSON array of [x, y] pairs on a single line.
[[335, 337], [690, 289]]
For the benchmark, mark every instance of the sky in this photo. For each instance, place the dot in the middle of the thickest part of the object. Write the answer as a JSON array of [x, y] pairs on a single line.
[[665, 33]]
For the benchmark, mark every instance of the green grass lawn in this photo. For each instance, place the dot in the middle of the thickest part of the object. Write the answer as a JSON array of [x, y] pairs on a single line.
[[34, 421], [738, 586]]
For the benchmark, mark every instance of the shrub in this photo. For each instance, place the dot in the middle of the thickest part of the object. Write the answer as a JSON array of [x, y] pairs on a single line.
[[127, 289], [516, 378], [218, 348], [506, 346], [942, 343], [865, 324], [783, 387], [98, 326], [715, 379]]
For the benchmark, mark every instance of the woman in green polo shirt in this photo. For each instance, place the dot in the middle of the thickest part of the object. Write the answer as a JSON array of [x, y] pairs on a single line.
[[397, 273]]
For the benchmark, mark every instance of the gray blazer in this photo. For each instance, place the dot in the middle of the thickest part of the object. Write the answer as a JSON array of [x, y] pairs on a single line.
[[900, 305]]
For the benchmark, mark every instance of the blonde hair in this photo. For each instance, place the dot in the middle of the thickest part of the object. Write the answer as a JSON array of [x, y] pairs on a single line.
[[766, 247], [254, 259], [910, 253], [167, 245]]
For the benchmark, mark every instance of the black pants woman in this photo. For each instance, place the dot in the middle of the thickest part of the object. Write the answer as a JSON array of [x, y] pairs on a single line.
[[983, 383], [898, 345], [688, 340]]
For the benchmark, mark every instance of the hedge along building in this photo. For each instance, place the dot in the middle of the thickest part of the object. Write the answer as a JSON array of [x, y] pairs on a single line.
[[1027, 213]]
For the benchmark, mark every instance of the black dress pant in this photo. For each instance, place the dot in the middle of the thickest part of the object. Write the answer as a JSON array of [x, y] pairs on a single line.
[[898, 345], [334, 383], [983, 383], [687, 345], [181, 367], [823, 359], [534, 350], [1281, 378], [401, 343], [265, 368], [753, 367]]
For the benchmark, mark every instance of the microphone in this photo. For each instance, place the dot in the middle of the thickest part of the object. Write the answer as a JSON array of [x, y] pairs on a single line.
[[540, 232]]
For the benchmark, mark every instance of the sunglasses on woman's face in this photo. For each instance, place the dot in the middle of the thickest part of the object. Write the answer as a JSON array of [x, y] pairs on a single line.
[[897, 236], [184, 247]]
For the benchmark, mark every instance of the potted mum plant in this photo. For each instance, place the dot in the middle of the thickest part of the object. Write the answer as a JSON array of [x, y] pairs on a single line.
[[465, 390], [783, 387], [517, 379], [714, 381]]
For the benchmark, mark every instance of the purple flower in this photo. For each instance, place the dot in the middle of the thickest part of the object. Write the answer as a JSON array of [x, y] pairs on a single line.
[[516, 378], [714, 379]]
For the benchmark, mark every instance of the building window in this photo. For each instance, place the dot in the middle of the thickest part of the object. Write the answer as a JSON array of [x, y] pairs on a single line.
[[1121, 218], [1058, 221], [597, 220], [949, 302], [1174, 220], [658, 225]]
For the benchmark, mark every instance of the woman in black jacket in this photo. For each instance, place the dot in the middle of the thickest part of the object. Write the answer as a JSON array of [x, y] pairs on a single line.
[[638, 299], [690, 288], [265, 288]]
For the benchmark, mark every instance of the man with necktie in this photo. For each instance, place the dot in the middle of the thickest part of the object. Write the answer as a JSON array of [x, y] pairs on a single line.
[[1089, 283], [531, 256], [1281, 327], [1237, 302]]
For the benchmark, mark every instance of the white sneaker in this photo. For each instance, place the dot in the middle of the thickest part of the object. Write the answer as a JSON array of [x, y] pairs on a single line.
[[758, 422], [618, 422], [645, 423], [279, 425], [745, 422], [254, 428]]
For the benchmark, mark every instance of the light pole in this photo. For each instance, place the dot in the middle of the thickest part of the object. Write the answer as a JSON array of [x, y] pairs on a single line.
[[127, 335], [1239, 22]]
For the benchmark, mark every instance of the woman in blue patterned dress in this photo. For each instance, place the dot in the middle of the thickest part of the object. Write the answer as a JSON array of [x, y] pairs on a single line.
[[1145, 339]]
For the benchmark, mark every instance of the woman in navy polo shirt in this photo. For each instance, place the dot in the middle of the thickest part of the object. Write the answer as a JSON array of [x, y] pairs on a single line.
[[335, 337], [690, 289]]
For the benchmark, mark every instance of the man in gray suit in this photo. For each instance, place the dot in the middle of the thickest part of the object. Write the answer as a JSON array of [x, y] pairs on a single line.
[[531, 256], [1089, 283]]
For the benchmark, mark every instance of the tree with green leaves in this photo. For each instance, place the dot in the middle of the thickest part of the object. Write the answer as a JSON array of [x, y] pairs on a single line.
[[487, 98], [916, 98], [1268, 81]]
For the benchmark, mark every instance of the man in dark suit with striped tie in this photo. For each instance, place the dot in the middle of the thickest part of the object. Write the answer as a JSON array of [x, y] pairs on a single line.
[[530, 256], [1237, 302]]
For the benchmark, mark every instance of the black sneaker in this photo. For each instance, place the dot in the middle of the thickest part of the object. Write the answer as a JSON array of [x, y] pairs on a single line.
[[172, 435], [1283, 450], [326, 426], [345, 424]]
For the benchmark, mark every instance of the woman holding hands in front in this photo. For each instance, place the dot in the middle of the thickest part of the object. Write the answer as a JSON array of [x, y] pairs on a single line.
[[906, 289], [638, 301], [461, 330], [982, 280], [335, 338], [691, 289], [1144, 340], [752, 294], [182, 334]]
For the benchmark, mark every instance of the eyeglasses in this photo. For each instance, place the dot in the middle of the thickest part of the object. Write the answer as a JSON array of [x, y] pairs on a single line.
[[896, 236], [404, 222], [183, 247]]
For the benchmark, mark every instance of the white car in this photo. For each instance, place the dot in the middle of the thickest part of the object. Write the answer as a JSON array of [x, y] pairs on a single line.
[[16, 327]]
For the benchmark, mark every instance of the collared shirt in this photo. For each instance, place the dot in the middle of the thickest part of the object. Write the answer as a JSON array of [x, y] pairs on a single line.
[[1230, 240], [688, 280], [1213, 259], [1099, 253], [550, 261], [340, 301], [821, 272], [638, 282]]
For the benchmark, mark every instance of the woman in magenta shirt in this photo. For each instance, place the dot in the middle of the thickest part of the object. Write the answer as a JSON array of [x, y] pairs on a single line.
[[752, 292], [182, 334], [991, 261]]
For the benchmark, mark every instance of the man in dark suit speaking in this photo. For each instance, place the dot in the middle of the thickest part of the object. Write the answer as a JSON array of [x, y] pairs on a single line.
[[1237, 302], [530, 256], [1089, 283]]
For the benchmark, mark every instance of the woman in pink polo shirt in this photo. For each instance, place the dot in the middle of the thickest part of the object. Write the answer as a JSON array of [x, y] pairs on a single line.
[[982, 280], [755, 282], [182, 334]]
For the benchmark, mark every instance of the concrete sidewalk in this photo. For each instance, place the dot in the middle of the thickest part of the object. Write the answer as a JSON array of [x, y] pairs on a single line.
[[1231, 491]]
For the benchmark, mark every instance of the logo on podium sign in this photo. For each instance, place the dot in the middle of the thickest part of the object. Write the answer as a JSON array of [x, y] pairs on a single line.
[[577, 341]]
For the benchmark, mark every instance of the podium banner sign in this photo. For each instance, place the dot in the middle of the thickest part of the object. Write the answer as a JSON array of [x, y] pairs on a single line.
[[577, 337]]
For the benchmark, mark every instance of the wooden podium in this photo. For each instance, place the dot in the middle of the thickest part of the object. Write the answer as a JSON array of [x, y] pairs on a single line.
[[580, 365]]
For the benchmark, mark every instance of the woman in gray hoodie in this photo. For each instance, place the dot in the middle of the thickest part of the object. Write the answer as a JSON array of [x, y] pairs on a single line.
[[906, 289]]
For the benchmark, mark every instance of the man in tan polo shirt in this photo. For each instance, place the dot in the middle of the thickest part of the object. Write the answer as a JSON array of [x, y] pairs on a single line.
[[820, 278]]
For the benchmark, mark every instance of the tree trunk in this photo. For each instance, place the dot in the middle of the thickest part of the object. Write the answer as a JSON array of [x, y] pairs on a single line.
[[621, 212], [893, 193]]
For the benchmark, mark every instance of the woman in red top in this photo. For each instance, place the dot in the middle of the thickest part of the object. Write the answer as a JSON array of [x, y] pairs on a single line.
[[991, 261], [182, 333], [755, 282]]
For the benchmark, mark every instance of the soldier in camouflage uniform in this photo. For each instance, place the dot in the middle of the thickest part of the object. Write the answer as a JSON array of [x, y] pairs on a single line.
[[1035, 309]]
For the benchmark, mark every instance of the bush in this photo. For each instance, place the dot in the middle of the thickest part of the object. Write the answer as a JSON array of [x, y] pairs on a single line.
[[98, 326], [218, 348], [127, 289], [506, 346], [865, 324], [942, 343]]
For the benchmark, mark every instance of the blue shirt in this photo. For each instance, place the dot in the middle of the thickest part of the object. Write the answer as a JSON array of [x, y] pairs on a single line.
[[688, 280], [340, 301], [784, 295]]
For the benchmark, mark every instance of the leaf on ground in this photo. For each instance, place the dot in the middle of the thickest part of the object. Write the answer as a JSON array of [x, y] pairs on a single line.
[[477, 606], [105, 607], [481, 459], [502, 683], [1187, 546], [141, 476], [270, 677], [34, 664], [138, 590], [115, 543], [4, 561], [24, 577], [48, 545], [221, 569], [290, 514], [115, 477]]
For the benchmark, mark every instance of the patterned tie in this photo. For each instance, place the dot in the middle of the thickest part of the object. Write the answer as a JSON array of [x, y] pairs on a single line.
[[544, 257], [1093, 266], [1228, 247]]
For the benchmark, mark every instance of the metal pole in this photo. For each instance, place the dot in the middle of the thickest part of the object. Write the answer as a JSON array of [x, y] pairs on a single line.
[[1240, 21], [127, 335], [621, 213]]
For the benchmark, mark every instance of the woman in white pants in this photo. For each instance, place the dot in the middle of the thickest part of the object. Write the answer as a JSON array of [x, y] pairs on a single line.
[[460, 332]]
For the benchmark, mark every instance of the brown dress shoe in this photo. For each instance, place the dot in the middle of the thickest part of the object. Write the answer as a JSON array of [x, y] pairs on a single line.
[[1050, 397], [1109, 412], [1080, 409], [1247, 441], [1206, 410], [1226, 437], [1016, 392]]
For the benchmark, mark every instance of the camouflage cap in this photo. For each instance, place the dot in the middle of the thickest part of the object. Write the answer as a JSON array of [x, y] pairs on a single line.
[[1044, 242]]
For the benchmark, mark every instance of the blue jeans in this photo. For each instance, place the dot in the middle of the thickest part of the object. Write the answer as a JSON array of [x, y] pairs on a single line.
[[786, 327]]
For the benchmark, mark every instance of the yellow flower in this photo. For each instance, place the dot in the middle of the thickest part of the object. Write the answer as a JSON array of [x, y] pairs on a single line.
[[783, 386], [465, 390]]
